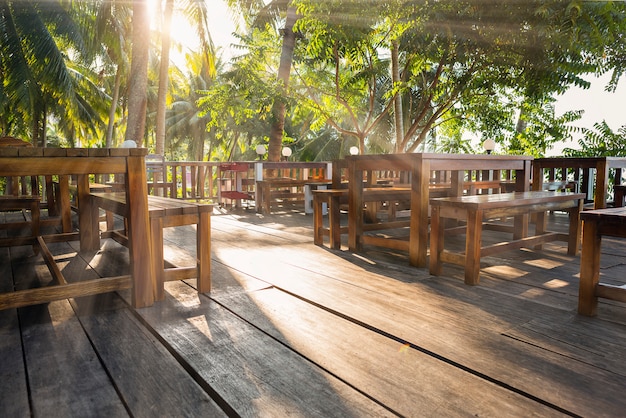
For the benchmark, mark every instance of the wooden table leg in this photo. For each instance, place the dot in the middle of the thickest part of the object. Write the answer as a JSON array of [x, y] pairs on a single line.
[[139, 232], [473, 241], [88, 216], [436, 241], [589, 269], [318, 219], [573, 243], [204, 252], [63, 200]]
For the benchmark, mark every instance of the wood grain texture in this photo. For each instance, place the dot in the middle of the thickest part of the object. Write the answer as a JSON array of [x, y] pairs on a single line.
[[13, 389], [255, 374]]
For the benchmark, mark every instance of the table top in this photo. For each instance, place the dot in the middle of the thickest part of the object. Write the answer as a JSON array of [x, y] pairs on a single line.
[[438, 161], [17, 161], [581, 162]]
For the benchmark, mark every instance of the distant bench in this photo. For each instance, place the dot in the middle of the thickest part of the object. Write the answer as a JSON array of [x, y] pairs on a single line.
[[478, 208], [286, 189], [166, 212], [334, 198]]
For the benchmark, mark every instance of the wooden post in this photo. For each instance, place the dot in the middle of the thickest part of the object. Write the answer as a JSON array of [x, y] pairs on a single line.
[[139, 232]]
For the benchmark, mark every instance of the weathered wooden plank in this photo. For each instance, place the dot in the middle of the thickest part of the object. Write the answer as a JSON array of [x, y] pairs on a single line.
[[395, 374], [432, 318], [13, 388], [148, 378], [64, 373], [578, 339], [255, 374]]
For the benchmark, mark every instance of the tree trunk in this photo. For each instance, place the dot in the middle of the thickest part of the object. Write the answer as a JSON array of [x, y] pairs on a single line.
[[138, 80], [284, 71], [163, 77], [113, 108], [397, 104]]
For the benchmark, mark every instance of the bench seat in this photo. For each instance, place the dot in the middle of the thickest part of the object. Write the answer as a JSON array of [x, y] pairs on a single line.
[[479, 208], [163, 213]]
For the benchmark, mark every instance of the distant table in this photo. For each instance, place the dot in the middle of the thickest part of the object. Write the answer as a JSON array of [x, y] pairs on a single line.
[[596, 224], [420, 165]]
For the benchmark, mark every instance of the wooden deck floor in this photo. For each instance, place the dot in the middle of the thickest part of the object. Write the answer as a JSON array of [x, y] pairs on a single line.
[[291, 329]]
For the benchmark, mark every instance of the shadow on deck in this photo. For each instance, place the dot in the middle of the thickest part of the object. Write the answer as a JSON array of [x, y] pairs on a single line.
[[294, 329]]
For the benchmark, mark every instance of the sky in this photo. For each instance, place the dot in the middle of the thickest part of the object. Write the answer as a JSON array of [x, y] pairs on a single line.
[[597, 104]]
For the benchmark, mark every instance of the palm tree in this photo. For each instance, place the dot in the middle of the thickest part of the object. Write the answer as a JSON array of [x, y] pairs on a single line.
[[184, 120], [259, 14], [138, 77], [36, 80], [196, 12], [112, 40]]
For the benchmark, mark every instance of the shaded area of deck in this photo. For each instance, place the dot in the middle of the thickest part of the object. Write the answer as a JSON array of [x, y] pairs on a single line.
[[294, 329]]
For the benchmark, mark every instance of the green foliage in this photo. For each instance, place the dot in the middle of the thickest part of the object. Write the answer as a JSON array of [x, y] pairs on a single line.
[[600, 141], [468, 70]]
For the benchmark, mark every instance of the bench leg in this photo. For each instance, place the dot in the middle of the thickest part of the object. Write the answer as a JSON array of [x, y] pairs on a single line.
[[203, 242], [473, 242], [436, 241], [619, 197], [334, 222], [158, 264], [589, 269], [541, 225], [573, 243], [318, 236]]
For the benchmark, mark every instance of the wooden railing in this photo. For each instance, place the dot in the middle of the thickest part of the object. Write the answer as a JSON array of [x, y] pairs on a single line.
[[194, 180], [594, 176], [226, 182]]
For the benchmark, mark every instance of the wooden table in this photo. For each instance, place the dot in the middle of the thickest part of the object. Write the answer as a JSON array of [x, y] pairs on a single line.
[[591, 174], [65, 162], [420, 165], [597, 223]]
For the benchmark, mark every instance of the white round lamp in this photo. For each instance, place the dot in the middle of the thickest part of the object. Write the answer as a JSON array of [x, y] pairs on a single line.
[[489, 145]]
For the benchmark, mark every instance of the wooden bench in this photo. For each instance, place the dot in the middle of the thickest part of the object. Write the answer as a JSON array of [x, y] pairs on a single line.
[[476, 209], [334, 198], [597, 223], [9, 203], [163, 213], [272, 189]]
